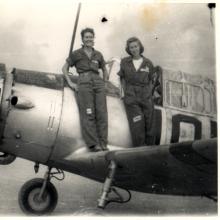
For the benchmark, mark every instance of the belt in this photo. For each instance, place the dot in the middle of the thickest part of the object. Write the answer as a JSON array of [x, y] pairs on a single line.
[[138, 84], [88, 72]]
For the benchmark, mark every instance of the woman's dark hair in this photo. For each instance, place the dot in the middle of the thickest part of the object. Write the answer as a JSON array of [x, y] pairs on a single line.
[[90, 30], [134, 39]]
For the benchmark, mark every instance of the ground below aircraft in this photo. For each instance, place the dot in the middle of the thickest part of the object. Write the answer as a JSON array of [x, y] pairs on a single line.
[[40, 123]]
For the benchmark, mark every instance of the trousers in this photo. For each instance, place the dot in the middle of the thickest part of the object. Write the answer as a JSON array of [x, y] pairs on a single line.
[[93, 108], [140, 112]]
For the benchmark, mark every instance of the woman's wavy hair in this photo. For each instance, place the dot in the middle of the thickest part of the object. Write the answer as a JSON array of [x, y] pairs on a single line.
[[90, 30], [133, 39]]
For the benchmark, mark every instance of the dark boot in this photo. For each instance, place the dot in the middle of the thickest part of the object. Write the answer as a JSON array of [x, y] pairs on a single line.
[[104, 147], [95, 148]]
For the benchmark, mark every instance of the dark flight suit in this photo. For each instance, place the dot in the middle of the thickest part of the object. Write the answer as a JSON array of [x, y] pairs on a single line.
[[91, 96], [138, 99]]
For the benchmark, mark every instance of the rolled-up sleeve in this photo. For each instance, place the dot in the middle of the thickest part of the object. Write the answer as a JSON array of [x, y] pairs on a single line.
[[151, 67], [101, 61], [71, 60], [121, 71]]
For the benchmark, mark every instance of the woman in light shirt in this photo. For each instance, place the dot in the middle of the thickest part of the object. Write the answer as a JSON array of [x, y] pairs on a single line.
[[137, 80]]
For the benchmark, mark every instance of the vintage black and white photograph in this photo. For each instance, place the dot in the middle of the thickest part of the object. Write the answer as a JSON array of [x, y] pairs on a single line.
[[108, 108]]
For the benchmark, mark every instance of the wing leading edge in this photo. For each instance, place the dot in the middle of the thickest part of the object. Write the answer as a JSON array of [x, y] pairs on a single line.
[[188, 168]]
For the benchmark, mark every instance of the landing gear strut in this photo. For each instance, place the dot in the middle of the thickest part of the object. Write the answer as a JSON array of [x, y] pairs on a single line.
[[108, 188], [39, 196], [107, 185]]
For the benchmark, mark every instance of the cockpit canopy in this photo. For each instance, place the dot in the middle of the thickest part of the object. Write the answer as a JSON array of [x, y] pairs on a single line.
[[177, 90], [192, 93]]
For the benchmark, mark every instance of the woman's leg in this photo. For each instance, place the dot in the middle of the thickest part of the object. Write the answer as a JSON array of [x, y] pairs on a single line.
[[86, 100], [101, 112], [136, 123], [148, 110]]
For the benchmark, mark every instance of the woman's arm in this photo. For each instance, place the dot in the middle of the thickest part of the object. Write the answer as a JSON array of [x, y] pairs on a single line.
[[105, 73], [65, 71], [122, 88], [155, 78], [121, 74]]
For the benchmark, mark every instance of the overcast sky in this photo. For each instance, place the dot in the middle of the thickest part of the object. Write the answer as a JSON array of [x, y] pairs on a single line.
[[36, 34]]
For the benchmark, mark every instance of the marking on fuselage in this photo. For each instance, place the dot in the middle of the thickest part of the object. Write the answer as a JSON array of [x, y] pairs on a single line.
[[51, 127], [177, 119], [51, 115], [163, 126], [213, 132], [187, 132]]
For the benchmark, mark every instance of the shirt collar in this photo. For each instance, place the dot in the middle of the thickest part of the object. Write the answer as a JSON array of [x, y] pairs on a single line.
[[130, 58], [82, 48]]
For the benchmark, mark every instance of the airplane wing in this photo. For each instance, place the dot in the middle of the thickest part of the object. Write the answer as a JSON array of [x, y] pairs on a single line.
[[188, 168]]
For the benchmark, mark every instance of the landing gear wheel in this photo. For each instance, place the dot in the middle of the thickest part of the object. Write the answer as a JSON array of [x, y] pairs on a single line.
[[30, 202], [6, 159]]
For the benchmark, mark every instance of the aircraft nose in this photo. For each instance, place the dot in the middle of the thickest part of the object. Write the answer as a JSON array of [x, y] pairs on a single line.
[[30, 113], [6, 83]]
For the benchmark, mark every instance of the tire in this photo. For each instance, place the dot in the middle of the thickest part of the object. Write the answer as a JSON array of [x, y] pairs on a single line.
[[6, 159], [28, 197]]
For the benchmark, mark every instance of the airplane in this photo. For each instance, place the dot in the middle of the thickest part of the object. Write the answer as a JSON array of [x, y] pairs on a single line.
[[40, 122]]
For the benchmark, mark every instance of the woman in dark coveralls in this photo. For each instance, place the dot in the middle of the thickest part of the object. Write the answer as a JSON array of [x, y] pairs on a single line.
[[91, 91], [136, 74]]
